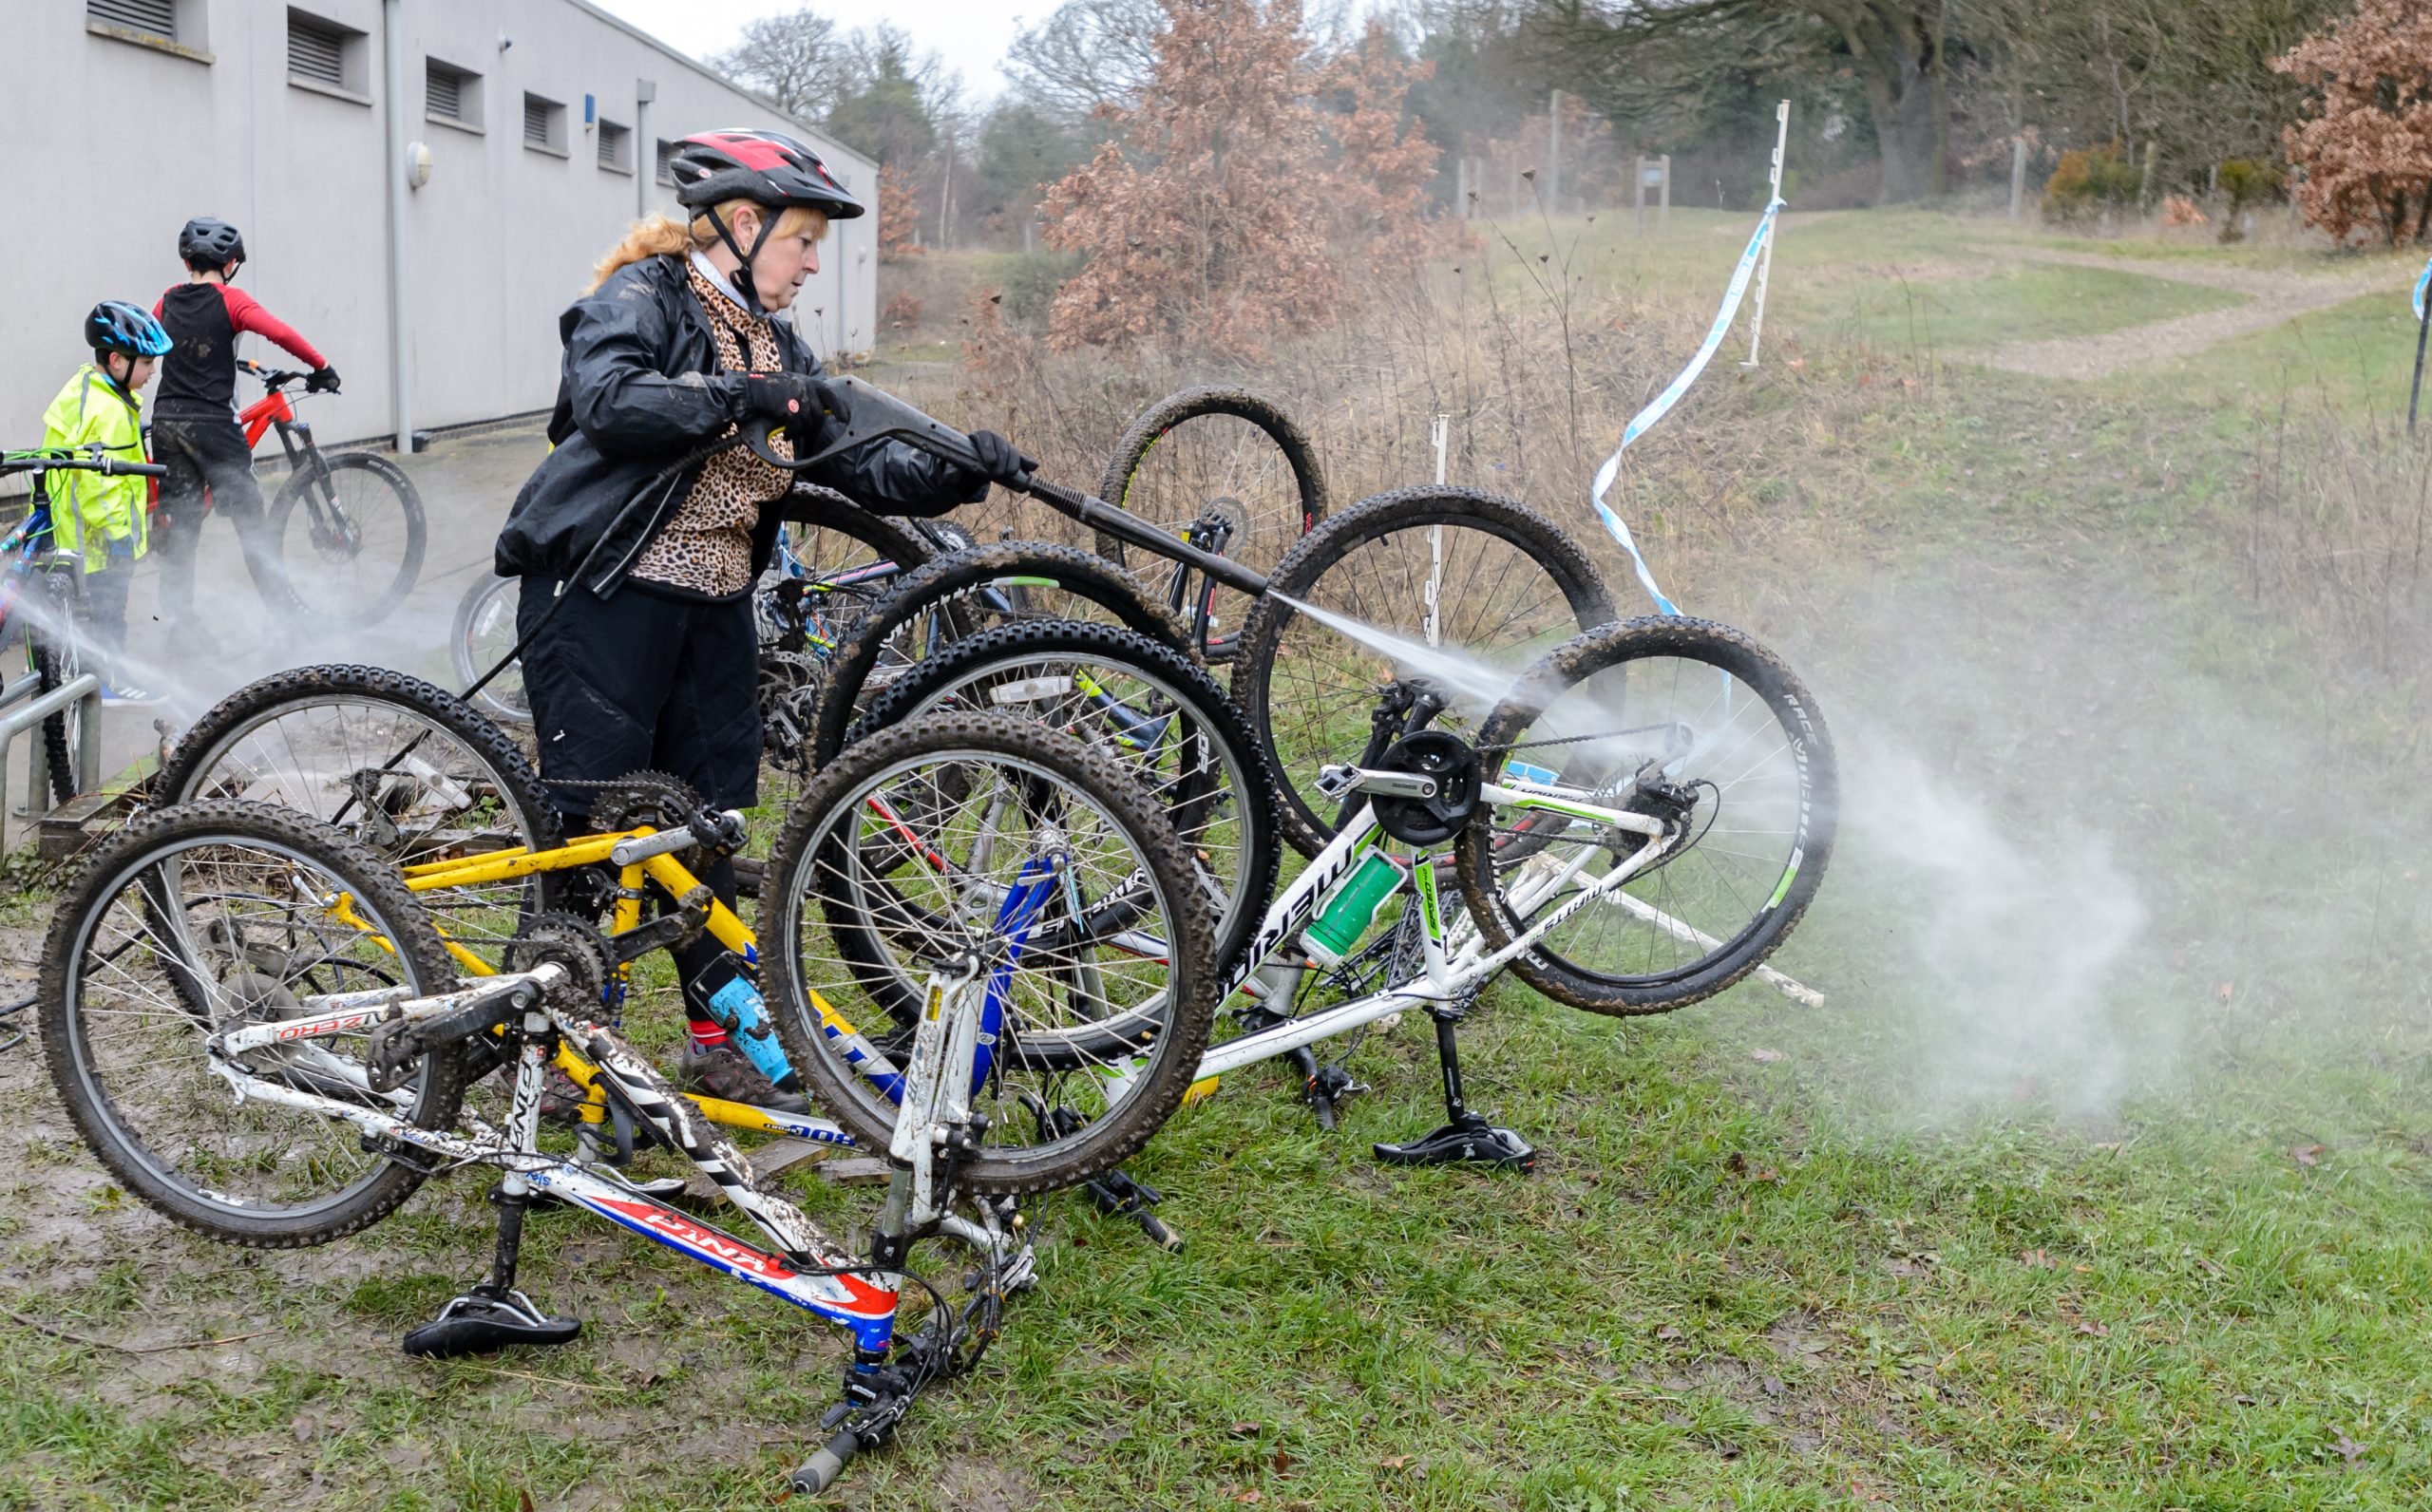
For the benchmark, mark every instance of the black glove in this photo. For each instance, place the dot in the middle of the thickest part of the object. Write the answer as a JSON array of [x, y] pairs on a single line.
[[324, 380], [795, 397], [1001, 460]]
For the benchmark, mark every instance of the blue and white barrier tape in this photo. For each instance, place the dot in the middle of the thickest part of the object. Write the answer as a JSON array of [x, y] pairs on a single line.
[[1645, 418], [2423, 280]]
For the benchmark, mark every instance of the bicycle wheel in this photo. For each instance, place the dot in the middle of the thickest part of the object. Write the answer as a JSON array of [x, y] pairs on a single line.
[[56, 663], [351, 546], [1146, 704], [836, 561], [1469, 587], [1677, 719], [202, 917], [406, 767], [962, 594], [1219, 460], [483, 634], [982, 835]]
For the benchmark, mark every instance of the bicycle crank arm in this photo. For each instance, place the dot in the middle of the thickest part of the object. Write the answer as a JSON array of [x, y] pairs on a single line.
[[1338, 783], [667, 841], [344, 1013]]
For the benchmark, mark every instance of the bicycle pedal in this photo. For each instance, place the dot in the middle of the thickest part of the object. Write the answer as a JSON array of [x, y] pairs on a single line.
[[1470, 1141], [480, 1323]]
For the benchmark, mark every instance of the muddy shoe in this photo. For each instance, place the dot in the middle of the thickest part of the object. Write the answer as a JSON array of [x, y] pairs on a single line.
[[722, 1071]]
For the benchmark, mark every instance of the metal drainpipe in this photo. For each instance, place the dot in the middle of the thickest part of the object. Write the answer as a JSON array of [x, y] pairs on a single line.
[[645, 146], [401, 364]]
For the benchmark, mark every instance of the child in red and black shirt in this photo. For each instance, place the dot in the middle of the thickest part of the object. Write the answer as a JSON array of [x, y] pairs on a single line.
[[195, 432]]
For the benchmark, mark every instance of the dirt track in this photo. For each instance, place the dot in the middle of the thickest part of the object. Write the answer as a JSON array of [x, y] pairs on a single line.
[[2272, 298]]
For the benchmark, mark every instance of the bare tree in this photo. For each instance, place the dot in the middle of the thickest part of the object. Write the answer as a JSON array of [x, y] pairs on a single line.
[[797, 61], [1087, 54], [1893, 46]]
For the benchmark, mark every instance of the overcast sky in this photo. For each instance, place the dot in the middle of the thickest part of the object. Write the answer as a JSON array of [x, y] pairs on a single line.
[[971, 35]]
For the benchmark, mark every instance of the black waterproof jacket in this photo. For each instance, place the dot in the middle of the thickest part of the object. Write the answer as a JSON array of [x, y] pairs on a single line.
[[640, 388]]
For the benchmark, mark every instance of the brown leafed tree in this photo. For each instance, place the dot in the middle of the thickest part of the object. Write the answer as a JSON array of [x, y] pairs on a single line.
[[899, 213], [1223, 212], [1207, 216], [1378, 179], [2365, 140]]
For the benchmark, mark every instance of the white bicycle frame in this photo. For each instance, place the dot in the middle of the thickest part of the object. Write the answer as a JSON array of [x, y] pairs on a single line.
[[859, 1297], [1455, 961]]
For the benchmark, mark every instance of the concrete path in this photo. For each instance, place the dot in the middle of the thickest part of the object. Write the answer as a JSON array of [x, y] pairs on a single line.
[[467, 484]]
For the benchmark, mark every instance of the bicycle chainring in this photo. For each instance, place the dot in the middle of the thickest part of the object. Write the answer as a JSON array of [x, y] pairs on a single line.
[[644, 798], [577, 946], [1454, 764]]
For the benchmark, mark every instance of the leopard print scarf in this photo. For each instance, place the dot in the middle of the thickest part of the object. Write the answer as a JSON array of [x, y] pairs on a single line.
[[706, 548]]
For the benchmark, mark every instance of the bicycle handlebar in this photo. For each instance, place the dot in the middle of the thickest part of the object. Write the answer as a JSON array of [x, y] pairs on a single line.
[[274, 379], [878, 415], [89, 458], [820, 1471]]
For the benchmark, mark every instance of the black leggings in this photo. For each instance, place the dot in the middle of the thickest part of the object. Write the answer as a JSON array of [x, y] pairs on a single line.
[[213, 453], [643, 680], [648, 681]]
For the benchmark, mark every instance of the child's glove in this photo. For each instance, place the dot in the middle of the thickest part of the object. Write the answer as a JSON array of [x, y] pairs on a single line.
[[324, 380]]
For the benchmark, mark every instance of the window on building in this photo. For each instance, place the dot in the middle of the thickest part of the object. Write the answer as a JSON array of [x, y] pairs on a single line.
[[666, 155], [451, 94], [544, 125], [616, 147], [153, 18], [321, 51]]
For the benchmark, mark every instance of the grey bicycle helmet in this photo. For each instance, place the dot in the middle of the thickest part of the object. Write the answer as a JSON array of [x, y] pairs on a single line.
[[209, 243]]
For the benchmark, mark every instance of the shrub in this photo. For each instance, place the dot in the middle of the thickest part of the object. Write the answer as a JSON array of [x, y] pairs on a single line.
[[2248, 181], [1028, 280], [2088, 182]]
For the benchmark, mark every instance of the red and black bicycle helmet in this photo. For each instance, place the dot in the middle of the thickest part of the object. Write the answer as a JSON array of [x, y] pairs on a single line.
[[759, 165], [762, 166]]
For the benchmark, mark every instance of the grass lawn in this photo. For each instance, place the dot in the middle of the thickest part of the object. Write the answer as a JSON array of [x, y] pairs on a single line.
[[2099, 1179]]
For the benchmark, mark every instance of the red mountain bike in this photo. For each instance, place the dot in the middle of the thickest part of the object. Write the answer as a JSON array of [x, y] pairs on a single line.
[[349, 529]]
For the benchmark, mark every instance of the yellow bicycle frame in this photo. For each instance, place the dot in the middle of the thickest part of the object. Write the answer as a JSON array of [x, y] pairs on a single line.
[[506, 865]]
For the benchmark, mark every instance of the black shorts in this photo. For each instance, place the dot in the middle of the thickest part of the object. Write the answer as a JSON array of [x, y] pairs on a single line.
[[643, 680]]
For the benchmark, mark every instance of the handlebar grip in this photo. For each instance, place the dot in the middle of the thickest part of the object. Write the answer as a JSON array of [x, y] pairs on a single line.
[[140, 470], [820, 1471]]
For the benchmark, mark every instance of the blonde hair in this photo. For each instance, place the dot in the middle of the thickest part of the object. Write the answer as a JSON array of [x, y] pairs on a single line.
[[664, 237]]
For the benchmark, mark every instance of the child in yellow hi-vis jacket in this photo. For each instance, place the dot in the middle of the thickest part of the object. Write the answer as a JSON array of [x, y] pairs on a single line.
[[105, 519]]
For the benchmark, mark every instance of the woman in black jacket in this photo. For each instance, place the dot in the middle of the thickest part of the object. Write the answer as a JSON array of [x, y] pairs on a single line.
[[648, 657]]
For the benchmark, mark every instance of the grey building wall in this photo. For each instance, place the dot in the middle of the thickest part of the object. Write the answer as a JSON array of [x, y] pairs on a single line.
[[108, 145]]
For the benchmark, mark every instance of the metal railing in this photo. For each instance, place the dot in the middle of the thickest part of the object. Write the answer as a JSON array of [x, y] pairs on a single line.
[[23, 708]]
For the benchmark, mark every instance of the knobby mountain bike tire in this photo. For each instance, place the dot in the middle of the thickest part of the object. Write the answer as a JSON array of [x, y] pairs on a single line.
[[1218, 790], [1221, 449], [356, 572], [170, 894], [965, 593], [822, 879], [299, 737], [1706, 708], [850, 557], [1512, 587]]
